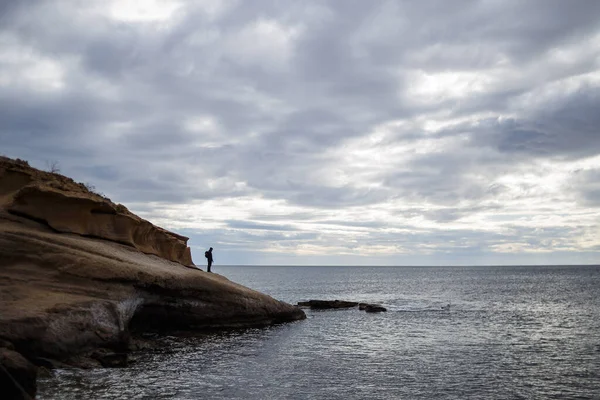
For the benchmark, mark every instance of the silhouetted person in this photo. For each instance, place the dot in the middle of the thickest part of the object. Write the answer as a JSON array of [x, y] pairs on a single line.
[[208, 255]]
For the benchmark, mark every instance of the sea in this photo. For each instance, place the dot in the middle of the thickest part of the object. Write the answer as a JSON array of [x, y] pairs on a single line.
[[510, 332]]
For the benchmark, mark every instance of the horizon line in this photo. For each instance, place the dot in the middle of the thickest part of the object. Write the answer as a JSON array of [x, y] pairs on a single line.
[[397, 266]]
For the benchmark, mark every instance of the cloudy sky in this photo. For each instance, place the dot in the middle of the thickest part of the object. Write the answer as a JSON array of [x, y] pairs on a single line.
[[321, 132]]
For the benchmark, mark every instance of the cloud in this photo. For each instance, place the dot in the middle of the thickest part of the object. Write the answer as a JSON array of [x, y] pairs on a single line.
[[259, 226], [390, 130], [565, 124], [587, 185]]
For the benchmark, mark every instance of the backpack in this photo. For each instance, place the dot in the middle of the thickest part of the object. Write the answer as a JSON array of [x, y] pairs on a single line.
[[206, 254]]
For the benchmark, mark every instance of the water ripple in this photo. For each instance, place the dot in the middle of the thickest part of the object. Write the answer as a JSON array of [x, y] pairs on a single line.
[[515, 333]]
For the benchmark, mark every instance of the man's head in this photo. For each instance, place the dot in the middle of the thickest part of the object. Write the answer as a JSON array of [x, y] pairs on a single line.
[[210, 249]]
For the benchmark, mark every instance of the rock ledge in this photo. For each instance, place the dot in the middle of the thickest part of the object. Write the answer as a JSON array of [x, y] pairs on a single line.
[[82, 278]]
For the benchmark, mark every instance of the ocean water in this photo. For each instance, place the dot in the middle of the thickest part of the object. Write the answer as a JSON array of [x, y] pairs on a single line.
[[510, 333]]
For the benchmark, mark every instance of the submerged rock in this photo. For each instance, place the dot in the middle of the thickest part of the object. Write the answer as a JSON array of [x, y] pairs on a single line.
[[79, 273]]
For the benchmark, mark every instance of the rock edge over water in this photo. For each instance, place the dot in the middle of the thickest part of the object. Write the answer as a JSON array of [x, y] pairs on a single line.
[[81, 278]]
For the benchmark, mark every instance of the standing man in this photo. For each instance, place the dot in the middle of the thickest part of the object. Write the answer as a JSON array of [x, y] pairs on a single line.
[[209, 258]]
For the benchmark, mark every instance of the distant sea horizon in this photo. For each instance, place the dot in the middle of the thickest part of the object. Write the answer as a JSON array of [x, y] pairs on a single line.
[[407, 266]]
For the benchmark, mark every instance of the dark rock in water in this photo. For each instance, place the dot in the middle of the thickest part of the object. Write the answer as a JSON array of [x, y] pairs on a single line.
[[374, 308], [371, 307], [327, 304], [334, 304], [110, 359], [17, 376]]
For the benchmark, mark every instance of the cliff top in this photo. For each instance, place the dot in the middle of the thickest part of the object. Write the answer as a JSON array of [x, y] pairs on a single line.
[[71, 207], [53, 180]]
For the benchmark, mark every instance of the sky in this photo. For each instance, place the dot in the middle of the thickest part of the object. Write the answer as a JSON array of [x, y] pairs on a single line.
[[462, 132]]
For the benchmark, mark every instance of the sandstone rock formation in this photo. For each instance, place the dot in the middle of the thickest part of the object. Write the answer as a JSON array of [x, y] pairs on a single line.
[[80, 277], [69, 207]]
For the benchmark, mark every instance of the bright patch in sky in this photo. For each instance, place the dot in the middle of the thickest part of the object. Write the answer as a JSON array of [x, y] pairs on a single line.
[[266, 43], [447, 85], [27, 68], [143, 10]]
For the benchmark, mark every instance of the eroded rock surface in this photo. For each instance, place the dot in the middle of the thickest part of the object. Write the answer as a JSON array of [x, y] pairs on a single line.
[[68, 298], [69, 207], [63, 294]]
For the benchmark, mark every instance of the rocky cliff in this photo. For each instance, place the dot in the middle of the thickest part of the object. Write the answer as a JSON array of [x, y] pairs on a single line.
[[80, 277], [69, 207]]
